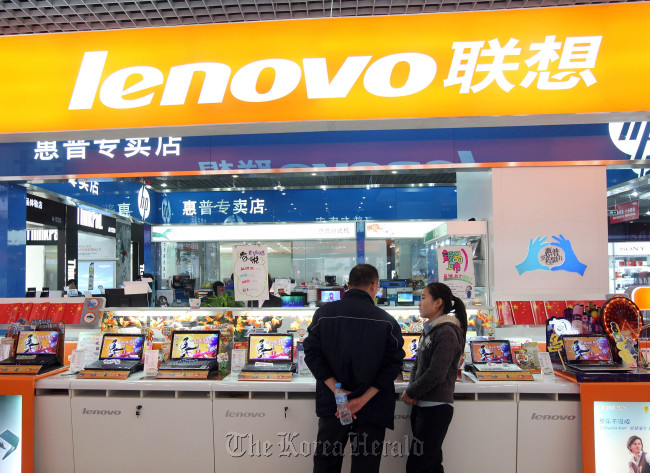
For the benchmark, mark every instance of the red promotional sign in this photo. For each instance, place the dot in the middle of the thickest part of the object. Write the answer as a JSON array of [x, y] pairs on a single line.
[[625, 212]]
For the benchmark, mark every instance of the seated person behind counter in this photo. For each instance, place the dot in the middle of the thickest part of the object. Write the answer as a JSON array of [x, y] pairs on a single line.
[[273, 301]]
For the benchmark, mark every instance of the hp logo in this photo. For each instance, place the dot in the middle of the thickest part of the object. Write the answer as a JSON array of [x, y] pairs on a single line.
[[144, 203], [631, 138], [166, 210]]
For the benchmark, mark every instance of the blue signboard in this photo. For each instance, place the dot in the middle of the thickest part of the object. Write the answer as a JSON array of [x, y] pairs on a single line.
[[303, 205], [127, 198], [342, 149], [308, 205]]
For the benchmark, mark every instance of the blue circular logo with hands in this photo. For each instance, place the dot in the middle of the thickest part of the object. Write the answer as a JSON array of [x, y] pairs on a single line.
[[557, 255]]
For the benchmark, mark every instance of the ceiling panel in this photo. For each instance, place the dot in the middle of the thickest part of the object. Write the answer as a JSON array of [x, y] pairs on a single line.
[[55, 16]]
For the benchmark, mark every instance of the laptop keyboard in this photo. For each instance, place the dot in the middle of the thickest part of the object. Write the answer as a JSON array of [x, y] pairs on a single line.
[[275, 367], [187, 364]]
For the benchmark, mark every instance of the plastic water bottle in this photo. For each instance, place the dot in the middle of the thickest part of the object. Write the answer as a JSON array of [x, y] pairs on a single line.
[[345, 416]]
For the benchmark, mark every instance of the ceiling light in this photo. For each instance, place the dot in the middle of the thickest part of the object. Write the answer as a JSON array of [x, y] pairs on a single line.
[[393, 172], [323, 187], [635, 193], [163, 184], [368, 187], [314, 174], [235, 176]]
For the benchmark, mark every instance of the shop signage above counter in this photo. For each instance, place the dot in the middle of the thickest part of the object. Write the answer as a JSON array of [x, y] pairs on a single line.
[[477, 64], [558, 145]]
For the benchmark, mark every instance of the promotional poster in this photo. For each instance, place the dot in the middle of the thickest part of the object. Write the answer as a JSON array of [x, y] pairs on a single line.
[[456, 270], [621, 436], [11, 408]]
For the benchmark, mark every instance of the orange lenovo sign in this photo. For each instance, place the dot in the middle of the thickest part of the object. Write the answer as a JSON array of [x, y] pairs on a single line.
[[520, 62]]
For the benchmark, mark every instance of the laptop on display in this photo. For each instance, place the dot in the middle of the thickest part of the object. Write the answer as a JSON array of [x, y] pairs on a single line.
[[411, 345], [119, 352], [590, 353], [270, 352], [37, 347], [193, 350], [491, 355]]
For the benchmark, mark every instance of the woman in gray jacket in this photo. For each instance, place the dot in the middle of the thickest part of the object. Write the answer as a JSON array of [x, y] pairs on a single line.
[[431, 387]]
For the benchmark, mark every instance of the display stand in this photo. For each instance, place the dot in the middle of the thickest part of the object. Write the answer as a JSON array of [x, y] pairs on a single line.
[[20, 369], [504, 376], [103, 374], [259, 376], [183, 374], [23, 385]]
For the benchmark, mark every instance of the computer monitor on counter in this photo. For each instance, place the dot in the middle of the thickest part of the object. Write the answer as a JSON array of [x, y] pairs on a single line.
[[330, 294]]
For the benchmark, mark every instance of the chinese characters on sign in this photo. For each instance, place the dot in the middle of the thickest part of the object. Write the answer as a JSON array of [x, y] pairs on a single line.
[[251, 271], [456, 269], [574, 60], [617, 425], [35, 203], [223, 164], [92, 187], [239, 206], [76, 149]]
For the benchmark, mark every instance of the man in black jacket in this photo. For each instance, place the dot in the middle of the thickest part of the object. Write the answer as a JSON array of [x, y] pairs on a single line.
[[357, 344]]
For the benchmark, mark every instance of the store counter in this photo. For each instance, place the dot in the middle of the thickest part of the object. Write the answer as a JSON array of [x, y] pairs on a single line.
[[230, 425]]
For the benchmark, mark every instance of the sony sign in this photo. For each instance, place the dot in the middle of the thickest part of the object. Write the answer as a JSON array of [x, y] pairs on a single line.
[[90, 219]]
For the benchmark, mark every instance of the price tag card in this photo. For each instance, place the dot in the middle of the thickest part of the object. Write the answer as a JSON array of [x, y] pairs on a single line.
[[545, 365], [77, 358], [238, 359], [151, 362], [263, 363], [6, 344]]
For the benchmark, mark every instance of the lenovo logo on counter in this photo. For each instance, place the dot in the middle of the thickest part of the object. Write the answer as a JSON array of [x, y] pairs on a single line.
[[245, 414], [536, 416], [97, 412]]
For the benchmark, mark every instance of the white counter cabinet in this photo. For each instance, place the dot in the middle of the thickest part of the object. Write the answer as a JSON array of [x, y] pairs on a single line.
[[230, 425]]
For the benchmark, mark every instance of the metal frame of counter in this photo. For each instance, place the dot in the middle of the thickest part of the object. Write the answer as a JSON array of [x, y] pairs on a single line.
[[166, 424]]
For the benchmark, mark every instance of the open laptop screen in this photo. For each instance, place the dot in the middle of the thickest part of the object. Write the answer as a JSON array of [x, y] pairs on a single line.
[[121, 347], [405, 298], [291, 300], [587, 349], [411, 345], [195, 344], [39, 342], [270, 347], [492, 351]]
